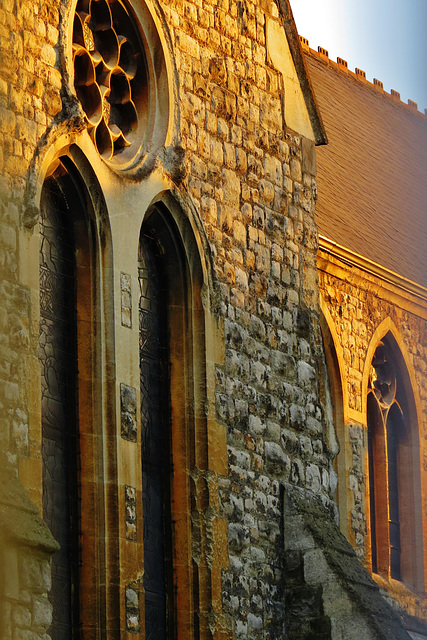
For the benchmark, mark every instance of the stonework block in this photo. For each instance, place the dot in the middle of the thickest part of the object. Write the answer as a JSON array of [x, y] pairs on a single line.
[[21, 616], [41, 612], [30, 573], [132, 609], [128, 412], [126, 299], [130, 514], [7, 120]]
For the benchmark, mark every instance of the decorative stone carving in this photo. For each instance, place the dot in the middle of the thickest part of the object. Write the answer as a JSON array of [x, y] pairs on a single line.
[[110, 77], [382, 379], [132, 608], [126, 299], [130, 508], [128, 412]]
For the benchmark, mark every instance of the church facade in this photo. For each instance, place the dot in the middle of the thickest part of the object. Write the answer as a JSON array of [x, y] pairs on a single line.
[[197, 388], [373, 290]]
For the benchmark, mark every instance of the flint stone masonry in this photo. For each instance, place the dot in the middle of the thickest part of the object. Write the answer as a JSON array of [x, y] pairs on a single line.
[[328, 593], [254, 185], [128, 412], [357, 484], [356, 312], [132, 609], [247, 181]]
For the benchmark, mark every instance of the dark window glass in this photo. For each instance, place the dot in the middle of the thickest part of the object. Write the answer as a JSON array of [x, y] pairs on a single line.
[[393, 492], [154, 438], [58, 360], [372, 494], [385, 433]]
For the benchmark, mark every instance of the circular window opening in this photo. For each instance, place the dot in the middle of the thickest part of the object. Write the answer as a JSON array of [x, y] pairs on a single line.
[[111, 78]]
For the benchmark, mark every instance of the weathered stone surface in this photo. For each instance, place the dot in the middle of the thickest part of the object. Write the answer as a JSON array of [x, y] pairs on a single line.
[[132, 609], [244, 182], [329, 590], [130, 513], [21, 522], [126, 299], [128, 412], [41, 612]]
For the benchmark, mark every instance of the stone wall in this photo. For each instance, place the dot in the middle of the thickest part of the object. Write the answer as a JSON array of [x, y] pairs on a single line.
[[253, 183], [246, 180], [358, 307], [29, 99], [25, 608], [30, 82], [357, 312], [26, 545]]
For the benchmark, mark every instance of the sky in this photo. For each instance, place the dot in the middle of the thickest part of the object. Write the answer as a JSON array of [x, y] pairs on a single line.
[[385, 38]]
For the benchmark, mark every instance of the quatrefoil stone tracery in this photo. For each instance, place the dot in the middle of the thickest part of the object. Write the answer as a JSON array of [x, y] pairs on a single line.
[[110, 76]]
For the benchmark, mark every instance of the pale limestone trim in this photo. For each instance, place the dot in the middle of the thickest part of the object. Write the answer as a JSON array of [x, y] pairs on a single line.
[[285, 13], [340, 357], [401, 291], [278, 51], [357, 416], [339, 390]]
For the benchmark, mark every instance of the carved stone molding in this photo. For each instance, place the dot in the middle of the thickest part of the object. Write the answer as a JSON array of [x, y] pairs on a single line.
[[111, 77]]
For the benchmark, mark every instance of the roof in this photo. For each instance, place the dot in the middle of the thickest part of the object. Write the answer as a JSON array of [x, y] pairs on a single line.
[[372, 176]]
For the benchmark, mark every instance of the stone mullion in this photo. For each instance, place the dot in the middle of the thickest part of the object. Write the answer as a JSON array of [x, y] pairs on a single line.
[[381, 495], [200, 547]]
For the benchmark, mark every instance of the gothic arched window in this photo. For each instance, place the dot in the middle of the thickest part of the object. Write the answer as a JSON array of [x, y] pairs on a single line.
[[155, 445], [111, 77], [173, 419], [72, 411], [392, 462], [58, 359]]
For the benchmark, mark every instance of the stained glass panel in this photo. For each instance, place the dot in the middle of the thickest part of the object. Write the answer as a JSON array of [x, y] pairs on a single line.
[[154, 449], [57, 354]]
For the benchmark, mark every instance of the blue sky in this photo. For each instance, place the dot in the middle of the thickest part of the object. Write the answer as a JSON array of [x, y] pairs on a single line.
[[385, 38]]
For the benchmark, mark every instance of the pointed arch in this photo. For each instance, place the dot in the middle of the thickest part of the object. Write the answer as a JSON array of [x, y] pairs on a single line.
[[339, 392], [77, 376], [392, 409], [333, 343], [177, 276]]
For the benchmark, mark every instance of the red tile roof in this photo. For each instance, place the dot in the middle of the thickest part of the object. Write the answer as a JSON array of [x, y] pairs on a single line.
[[372, 176]]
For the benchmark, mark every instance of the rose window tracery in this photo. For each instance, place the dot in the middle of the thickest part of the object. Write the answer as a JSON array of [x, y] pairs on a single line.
[[110, 77]]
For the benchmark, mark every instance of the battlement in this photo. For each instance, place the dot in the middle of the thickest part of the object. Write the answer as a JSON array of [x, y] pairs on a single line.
[[358, 74]]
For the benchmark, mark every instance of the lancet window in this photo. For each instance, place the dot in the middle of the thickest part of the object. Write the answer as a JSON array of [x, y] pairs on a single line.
[[393, 471], [71, 399], [58, 360], [155, 446], [171, 338]]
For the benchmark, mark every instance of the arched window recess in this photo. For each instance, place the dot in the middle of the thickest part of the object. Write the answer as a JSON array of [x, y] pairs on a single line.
[[74, 357], [334, 394], [173, 421], [393, 469]]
